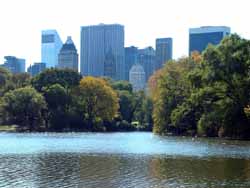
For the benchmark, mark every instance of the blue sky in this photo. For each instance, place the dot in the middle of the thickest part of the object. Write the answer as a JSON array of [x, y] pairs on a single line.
[[145, 20]]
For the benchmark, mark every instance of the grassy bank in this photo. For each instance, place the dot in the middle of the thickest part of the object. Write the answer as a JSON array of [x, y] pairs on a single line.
[[7, 128]]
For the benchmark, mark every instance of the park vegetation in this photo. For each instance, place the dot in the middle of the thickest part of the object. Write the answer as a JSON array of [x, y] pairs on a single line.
[[206, 94], [63, 100]]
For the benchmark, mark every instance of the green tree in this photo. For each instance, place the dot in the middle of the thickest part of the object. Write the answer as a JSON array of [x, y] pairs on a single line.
[[122, 86], [170, 90], [65, 77], [24, 107], [57, 100]]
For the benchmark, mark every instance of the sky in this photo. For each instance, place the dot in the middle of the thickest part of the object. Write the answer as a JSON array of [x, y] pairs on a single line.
[[144, 20]]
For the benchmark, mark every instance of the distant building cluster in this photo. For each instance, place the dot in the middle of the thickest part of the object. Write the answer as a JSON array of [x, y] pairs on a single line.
[[103, 54]]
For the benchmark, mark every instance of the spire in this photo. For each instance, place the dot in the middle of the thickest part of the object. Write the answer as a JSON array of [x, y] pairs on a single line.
[[69, 40]]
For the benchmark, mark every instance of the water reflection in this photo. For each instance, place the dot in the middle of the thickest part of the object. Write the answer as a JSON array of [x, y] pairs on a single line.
[[119, 171], [121, 160]]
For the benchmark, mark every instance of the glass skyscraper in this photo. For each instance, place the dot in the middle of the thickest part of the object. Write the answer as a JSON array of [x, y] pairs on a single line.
[[199, 38], [103, 45], [146, 58], [36, 68], [164, 51], [51, 45], [14, 65]]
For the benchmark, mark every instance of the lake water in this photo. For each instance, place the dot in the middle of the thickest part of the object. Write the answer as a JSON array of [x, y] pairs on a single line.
[[121, 160]]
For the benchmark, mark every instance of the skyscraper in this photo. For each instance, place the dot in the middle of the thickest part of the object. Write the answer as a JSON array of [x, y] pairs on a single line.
[[51, 45], [99, 42], [68, 56], [199, 38], [14, 65], [146, 57], [131, 55], [36, 68], [137, 77], [164, 51]]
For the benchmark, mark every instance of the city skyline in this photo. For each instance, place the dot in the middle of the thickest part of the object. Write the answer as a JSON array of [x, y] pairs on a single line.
[[144, 21]]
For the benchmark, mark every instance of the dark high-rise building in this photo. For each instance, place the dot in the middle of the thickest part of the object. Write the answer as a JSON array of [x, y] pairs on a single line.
[[109, 65], [199, 38], [99, 42], [14, 65], [146, 57], [36, 68], [131, 55], [68, 56], [164, 51]]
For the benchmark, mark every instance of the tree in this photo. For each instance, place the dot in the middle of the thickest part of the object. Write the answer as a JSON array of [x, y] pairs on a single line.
[[4, 76], [209, 95], [24, 107], [100, 101], [122, 86], [57, 100], [127, 105], [65, 77], [170, 90], [21, 80]]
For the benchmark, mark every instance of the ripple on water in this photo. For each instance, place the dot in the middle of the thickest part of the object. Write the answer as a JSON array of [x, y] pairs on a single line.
[[121, 160]]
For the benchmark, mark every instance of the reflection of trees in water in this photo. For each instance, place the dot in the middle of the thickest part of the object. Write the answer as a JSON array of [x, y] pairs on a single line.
[[113, 172], [57, 170], [209, 172]]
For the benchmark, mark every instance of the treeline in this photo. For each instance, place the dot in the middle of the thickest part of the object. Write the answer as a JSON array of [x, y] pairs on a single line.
[[63, 100], [207, 94]]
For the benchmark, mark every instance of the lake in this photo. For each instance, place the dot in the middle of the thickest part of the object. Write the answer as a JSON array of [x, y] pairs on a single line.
[[121, 160]]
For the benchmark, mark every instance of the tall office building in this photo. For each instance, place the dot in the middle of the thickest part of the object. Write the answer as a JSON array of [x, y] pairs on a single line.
[[14, 65], [68, 56], [199, 38], [99, 42], [51, 45], [137, 77], [36, 68], [131, 55], [164, 51], [146, 57]]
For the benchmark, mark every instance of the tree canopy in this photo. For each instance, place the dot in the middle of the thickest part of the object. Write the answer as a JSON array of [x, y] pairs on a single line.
[[205, 94]]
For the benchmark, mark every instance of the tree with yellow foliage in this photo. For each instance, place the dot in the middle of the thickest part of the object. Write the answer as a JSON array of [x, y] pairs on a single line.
[[99, 100]]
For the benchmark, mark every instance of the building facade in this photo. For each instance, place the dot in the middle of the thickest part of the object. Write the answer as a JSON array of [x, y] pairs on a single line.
[[99, 42], [36, 68], [200, 38], [131, 55], [14, 64], [51, 45], [146, 58], [68, 56], [163, 51], [137, 77]]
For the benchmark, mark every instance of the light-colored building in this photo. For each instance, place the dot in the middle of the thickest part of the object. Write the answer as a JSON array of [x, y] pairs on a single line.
[[137, 77], [51, 45], [99, 42], [200, 37], [163, 51], [14, 64], [68, 56]]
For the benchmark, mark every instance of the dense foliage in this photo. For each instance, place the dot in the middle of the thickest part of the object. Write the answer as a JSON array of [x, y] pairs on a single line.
[[205, 94], [61, 100]]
